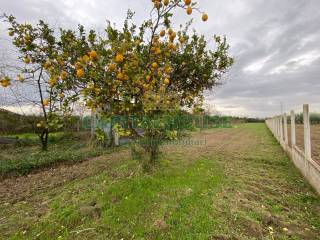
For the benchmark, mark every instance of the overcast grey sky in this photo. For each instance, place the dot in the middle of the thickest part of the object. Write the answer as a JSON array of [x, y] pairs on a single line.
[[275, 43]]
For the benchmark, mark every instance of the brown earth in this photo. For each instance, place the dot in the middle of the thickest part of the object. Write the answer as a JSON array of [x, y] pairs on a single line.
[[22, 188], [315, 140]]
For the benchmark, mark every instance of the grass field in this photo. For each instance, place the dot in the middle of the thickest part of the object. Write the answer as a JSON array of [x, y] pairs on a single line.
[[239, 185]]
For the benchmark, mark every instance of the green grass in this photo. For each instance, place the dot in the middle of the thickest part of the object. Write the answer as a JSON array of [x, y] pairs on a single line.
[[244, 187], [20, 160]]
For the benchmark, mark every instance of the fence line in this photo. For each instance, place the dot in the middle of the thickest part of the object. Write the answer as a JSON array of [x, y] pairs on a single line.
[[302, 159]]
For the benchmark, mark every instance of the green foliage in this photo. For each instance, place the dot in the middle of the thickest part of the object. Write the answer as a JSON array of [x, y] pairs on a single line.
[[101, 136], [314, 118], [217, 121], [66, 148]]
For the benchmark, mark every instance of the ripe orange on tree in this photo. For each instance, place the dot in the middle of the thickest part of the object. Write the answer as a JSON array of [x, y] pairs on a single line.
[[93, 55], [205, 17], [187, 2], [80, 73], [119, 58], [189, 10]]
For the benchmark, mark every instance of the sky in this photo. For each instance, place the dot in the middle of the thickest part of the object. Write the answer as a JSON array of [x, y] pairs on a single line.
[[275, 44]]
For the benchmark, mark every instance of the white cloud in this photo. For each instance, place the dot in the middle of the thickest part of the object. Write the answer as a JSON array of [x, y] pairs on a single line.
[[297, 63], [257, 65]]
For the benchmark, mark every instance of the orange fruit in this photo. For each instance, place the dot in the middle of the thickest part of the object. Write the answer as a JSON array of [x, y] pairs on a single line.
[[157, 4], [167, 81], [120, 76], [80, 73], [154, 65], [126, 77], [119, 58], [182, 40], [93, 55], [187, 2], [172, 46], [158, 51], [162, 33], [166, 2], [168, 70], [205, 17], [27, 60], [63, 75], [5, 82], [112, 67], [173, 36], [85, 58], [189, 10], [46, 102]]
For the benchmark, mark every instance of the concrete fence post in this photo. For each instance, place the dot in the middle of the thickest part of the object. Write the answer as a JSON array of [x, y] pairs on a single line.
[[275, 126], [293, 129], [307, 136], [285, 121], [278, 128], [281, 128], [301, 159]]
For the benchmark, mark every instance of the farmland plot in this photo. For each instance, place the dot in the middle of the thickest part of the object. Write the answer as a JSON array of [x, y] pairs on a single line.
[[239, 184]]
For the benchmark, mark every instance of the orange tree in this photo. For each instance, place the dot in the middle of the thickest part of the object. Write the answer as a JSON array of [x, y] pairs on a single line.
[[150, 70]]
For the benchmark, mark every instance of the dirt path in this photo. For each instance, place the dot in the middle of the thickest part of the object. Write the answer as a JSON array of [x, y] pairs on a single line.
[[23, 188]]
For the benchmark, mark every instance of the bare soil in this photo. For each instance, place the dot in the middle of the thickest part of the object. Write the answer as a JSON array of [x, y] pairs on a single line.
[[315, 140], [22, 188]]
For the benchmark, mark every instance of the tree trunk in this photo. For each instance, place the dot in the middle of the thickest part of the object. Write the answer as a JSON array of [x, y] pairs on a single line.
[[154, 150], [44, 139]]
